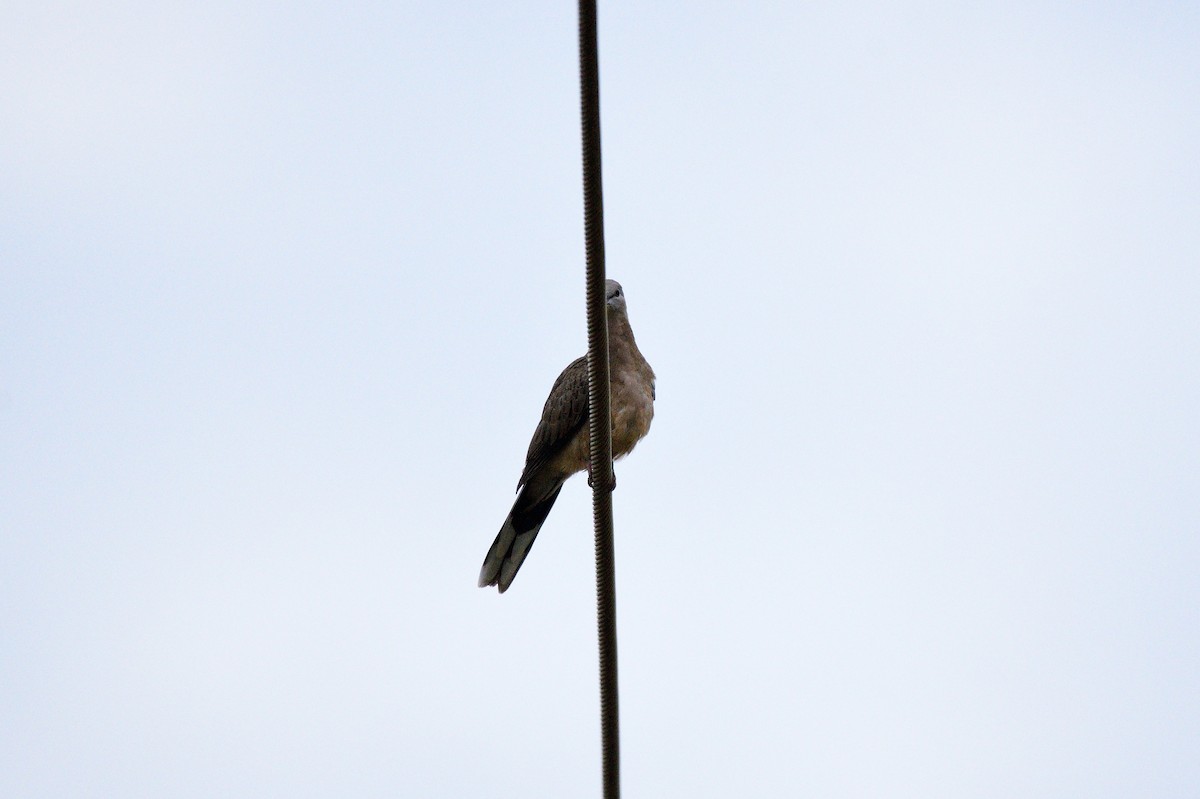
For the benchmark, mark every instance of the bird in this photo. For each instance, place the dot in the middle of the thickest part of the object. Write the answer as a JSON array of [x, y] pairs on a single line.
[[560, 446]]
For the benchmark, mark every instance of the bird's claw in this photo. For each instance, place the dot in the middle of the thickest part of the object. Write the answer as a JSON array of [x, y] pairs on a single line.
[[612, 485]]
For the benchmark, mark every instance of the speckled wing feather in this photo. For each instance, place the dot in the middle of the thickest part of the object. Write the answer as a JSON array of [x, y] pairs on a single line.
[[564, 414]]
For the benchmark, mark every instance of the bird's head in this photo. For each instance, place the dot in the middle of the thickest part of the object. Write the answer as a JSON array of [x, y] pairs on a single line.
[[614, 297]]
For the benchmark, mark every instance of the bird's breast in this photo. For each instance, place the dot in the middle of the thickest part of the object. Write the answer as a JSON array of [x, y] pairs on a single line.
[[632, 412]]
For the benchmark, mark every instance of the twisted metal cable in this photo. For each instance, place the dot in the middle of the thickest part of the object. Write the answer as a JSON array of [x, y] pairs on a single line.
[[600, 424]]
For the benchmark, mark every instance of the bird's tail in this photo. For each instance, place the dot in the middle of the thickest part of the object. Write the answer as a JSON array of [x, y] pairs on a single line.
[[515, 538]]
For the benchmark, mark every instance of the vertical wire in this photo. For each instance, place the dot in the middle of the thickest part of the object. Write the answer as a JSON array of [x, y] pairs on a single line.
[[600, 424]]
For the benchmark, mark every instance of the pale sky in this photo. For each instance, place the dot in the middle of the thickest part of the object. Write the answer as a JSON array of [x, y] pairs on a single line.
[[282, 290]]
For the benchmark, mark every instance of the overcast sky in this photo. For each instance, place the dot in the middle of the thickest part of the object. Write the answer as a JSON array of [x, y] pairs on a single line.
[[282, 290]]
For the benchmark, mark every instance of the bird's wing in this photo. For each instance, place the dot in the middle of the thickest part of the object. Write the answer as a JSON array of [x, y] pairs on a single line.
[[564, 414]]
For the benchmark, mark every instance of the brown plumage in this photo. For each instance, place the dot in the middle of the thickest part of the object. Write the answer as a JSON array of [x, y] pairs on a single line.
[[560, 444]]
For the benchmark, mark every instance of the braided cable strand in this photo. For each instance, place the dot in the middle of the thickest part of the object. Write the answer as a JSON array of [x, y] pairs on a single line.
[[600, 424]]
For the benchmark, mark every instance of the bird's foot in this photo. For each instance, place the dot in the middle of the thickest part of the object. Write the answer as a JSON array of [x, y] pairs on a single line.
[[612, 486]]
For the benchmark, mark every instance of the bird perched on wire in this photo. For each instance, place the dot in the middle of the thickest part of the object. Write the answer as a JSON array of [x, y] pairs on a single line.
[[560, 445]]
